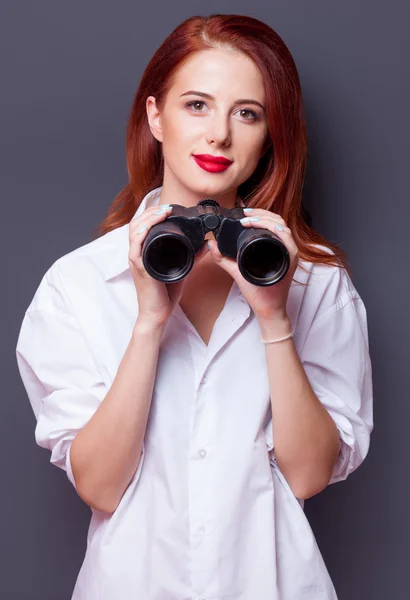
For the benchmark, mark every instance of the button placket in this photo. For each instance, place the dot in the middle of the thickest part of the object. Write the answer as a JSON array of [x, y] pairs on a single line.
[[200, 507], [201, 499]]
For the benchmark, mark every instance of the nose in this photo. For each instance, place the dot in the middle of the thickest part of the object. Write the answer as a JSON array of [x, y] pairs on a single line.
[[218, 130]]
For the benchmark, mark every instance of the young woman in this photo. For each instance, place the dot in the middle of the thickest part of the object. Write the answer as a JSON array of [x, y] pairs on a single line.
[[195, 417]]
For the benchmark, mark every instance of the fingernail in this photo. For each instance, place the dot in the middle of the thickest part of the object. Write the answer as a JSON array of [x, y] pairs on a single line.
[[279, 227], [209, 245], [249, 219], [247, 210], [161, 211], [164, 206], [143, 228]]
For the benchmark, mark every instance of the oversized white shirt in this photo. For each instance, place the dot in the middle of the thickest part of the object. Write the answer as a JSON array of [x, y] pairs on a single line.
[[208, 514]]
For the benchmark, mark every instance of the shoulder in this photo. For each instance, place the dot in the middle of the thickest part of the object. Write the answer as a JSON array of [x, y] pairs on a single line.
[[328, 287], [78, 269]]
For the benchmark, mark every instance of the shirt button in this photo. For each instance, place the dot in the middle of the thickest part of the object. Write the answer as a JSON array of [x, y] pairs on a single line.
[[201, 529], [203, 380], [202, 453]]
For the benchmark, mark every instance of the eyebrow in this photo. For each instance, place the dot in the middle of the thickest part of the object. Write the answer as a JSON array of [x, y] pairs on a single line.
[[204, 95]]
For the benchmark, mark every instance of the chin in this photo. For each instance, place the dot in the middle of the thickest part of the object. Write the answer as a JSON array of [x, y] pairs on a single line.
[[203, 189], [212, 185]]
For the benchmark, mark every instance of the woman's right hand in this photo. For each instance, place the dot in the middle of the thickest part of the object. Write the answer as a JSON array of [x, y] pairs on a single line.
[[156, 300]]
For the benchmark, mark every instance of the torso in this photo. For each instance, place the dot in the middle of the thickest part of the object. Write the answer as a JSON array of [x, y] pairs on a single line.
[[206, 289]]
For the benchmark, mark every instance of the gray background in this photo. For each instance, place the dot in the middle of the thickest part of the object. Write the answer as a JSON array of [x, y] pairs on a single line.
[[68, 79]]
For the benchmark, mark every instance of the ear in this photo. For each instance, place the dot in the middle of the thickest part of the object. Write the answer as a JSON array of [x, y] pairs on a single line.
[[154, 118]]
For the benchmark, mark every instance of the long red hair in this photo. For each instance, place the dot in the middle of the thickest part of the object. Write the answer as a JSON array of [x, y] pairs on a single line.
[[277, 181]]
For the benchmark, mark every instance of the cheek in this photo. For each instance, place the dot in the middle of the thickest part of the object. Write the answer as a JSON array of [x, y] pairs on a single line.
[[251, 151], [180, 130], [178, 141], [171, 142], [258, 147]]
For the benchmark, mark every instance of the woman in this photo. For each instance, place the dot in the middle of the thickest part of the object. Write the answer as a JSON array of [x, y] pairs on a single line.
[[195, 417]]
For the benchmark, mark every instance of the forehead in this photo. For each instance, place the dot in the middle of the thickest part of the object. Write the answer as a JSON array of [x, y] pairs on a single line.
[[220, 71]]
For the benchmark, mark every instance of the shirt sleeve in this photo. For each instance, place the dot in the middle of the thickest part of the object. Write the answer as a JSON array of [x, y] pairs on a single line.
[[336, 359], [59, 375]]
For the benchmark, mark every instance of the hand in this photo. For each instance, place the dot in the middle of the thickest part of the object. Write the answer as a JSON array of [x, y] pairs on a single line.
[[156, 300], [267, 302]]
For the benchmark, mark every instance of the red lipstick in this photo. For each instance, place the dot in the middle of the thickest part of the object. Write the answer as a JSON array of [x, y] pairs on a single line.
[[213, 164]]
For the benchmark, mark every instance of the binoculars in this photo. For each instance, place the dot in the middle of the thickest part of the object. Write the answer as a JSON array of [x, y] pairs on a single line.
[[169, 249]]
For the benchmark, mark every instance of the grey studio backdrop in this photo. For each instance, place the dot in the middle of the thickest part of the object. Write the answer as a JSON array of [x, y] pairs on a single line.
[[69, 74]]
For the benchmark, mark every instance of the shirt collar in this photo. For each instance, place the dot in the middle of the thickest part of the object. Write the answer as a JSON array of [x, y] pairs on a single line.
[[118, 262]]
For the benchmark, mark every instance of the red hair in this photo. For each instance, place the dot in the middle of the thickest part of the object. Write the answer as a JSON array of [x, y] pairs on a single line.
[[278, 178]]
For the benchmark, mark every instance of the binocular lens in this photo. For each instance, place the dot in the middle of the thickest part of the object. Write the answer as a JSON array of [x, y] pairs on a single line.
[[168, 258], [263, 261], [169, 249]]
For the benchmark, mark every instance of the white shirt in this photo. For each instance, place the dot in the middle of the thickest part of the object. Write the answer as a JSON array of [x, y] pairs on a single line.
[[208, 514]]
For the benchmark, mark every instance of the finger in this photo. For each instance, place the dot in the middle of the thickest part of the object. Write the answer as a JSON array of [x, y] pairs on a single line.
[[202, 253], [140, 231], [175, 290], [226, 263], [283, 232], [262, 213], [161, 211], [150, 210], [266, 223]]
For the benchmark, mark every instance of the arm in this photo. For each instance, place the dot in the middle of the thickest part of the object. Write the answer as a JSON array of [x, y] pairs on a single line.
[[322, 413], [306, 438], [332, 379], [94, 429], [106, 452]]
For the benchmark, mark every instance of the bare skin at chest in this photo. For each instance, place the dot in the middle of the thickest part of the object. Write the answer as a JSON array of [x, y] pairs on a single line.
[[206, 289]]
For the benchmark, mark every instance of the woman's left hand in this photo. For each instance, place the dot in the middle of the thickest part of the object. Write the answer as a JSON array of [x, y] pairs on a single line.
[[267, 302]]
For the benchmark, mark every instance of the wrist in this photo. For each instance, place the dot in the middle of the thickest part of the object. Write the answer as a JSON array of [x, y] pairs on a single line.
[[276, 327], [148, 327]]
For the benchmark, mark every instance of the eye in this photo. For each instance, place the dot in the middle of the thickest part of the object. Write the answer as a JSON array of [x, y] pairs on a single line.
[[253, 114], [193, 102]]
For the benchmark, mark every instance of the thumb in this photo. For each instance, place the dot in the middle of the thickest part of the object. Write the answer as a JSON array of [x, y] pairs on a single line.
[[175, 291], [202, 253], [228, 264]]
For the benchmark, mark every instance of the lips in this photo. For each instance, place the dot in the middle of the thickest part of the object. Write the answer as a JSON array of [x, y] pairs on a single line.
[[212, 164], [208, 158]]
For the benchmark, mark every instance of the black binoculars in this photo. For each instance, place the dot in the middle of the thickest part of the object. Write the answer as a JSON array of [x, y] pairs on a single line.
[[169, 249]]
